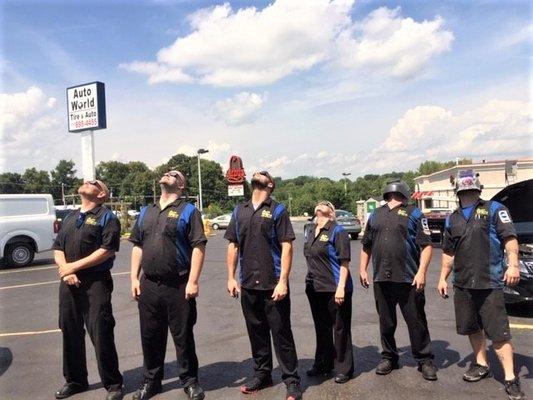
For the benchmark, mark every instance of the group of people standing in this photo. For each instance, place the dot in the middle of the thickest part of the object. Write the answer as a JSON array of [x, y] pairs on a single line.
[[169, 248]]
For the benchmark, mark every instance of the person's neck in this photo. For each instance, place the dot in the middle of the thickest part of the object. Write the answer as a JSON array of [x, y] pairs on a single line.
[[259, 196], [393, 203], [167, 198], [321, 221], [468, 202], [87, 204]]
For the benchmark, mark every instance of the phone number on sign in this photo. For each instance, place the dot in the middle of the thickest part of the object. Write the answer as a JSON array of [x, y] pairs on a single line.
[[85, 123]]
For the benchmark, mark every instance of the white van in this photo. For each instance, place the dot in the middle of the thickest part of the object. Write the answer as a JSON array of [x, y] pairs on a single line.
[[27, 226]]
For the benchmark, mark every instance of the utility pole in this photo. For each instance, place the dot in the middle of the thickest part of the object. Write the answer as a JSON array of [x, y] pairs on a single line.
[[290, 205], [63, 192], [199, 152], [346, 174], [153, 188]]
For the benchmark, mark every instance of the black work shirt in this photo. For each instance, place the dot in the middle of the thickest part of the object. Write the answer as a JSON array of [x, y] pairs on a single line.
[[259, 234], [477, 245], [325, 253], [395, 237], [167, 237], [81, 234]]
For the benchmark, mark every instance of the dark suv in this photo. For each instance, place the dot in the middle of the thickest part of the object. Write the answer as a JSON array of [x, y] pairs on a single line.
[[350, 222]]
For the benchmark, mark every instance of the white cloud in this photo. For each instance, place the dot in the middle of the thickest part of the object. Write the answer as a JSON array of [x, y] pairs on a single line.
[[240, 109], [30, 129], [251, 47]]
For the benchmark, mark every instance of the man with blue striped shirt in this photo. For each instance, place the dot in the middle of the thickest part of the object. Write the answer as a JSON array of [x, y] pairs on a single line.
[[397, 238]]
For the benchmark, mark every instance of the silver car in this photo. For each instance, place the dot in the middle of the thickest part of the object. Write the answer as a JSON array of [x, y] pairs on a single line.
[[220, 222]]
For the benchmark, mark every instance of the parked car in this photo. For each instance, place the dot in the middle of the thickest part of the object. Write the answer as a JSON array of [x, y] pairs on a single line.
[[222, 221], [345, 218], [518, 198], [27, 226], [436, 220]]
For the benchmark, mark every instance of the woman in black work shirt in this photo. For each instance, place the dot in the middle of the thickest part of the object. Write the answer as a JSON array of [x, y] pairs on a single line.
[[329, 290]]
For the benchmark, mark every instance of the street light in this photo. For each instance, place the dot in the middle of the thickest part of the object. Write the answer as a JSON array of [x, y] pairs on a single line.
[[346, 174], [199, 152]]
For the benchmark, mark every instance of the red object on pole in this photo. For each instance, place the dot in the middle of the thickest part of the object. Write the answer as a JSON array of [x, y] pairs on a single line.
[[235, 173]]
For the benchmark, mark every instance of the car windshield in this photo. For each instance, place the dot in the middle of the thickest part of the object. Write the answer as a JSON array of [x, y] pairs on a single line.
[[343, 214]]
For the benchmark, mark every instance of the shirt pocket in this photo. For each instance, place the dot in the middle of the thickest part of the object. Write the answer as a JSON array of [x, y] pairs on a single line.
[[457, 231], [171, 228], [267, 225]]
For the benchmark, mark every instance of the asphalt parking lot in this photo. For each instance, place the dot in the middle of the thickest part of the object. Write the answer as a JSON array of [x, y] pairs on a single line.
[[30, 343]]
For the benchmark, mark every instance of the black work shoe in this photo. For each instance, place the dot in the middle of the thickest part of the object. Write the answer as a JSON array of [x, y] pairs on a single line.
[[147, 389], [428, 369], [341, 378], [386, 366], [513, 390], [70, 389], [477, 372], [194, 391], [315, 371], [294, 392], [115, 394], [255, 384]]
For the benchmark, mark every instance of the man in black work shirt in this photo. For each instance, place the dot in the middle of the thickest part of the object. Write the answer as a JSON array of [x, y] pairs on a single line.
[[260, 235], [84, 251], [169, 246], [393, 237]]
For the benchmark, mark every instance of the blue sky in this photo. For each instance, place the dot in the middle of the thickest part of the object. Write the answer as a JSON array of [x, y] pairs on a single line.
[[313, 87]]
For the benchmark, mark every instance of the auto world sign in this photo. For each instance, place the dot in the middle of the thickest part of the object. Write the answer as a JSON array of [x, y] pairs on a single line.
[[86, 107]]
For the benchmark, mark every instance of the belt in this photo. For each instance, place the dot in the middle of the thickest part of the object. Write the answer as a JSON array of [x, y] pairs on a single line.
[[164, 280]]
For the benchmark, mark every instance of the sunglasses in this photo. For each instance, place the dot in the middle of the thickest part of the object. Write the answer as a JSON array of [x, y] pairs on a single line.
[[95, 183], [327, 204], [172, 174]]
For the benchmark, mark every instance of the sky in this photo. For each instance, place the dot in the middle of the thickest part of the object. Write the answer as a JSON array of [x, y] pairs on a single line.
[[298, 87]]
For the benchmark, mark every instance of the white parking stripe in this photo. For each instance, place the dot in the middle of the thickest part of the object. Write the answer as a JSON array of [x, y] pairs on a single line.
[[18, 271], [29, 333], [47, 282]]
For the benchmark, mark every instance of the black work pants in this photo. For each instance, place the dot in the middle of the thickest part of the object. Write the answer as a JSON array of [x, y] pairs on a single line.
[[89, 306], [333, 331], [411, 302], [263, 316], [162, 306]]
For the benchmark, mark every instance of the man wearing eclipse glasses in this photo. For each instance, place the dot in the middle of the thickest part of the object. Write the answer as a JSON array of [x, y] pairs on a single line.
[[84, 251]]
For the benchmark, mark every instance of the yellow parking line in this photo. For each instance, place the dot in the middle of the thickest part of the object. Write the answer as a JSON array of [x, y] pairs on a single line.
[[29, 333], [18, 271], [521, 326], [47, 282]]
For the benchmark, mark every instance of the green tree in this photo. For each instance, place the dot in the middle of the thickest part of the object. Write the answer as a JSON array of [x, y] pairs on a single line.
[[11, 183], [113, 174], [64, 173], [36, 181]]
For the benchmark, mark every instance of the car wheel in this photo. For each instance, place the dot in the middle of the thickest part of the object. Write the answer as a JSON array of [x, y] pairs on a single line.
[[354, 236], [19, 254], [215, 227]]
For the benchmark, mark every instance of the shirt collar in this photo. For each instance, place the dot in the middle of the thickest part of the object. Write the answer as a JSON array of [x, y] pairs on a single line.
[[93, 210], [267, 203]]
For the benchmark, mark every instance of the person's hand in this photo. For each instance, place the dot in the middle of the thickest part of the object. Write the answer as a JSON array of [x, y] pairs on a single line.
[[71, 280], [419, 281], [363, 278], [65, 269], [280, 291], [512, 275], [233, 288], [339, 295], [191, 290], [442, 288], [135, 289]]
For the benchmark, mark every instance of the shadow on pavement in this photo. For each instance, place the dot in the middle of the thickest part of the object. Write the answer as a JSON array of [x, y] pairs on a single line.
[[520, 310], [6, 358]]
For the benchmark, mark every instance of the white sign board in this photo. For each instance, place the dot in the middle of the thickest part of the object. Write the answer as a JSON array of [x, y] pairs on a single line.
[[86, 107], [236, 190]]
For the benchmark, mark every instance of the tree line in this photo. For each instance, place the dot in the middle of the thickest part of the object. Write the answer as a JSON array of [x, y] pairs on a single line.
[[135, 183]]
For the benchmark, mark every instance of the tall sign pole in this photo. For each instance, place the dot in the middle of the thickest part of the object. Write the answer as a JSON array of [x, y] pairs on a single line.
[[86, 112]]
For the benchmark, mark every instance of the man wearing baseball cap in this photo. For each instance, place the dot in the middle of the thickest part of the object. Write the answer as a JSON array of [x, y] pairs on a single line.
[[169, 246], [475, 237], [84, 251]]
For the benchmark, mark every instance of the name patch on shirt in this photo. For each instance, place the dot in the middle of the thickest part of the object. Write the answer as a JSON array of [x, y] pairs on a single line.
[[323, 238], [403, 213], [266, 214], [91, 221], [504, 216], [425, 226], [173, 214]]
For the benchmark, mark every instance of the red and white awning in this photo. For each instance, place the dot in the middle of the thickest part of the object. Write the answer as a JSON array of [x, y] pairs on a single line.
[[421, 195]]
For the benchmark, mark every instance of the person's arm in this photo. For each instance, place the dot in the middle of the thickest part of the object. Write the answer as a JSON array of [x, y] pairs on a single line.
[[364, 259], [425, 258], [136, 257], [343, 277], [512, 274], [197, 262], [445, 270], [96, 257], [281, 289], [72, 279], [232, 259]]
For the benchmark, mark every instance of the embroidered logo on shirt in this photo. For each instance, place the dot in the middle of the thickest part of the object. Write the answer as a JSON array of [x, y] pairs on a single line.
[[504, 216], [481, 212], [91, 221], [323, 238], [173, 214], [403, 213], [266, 214], [425, 226]]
